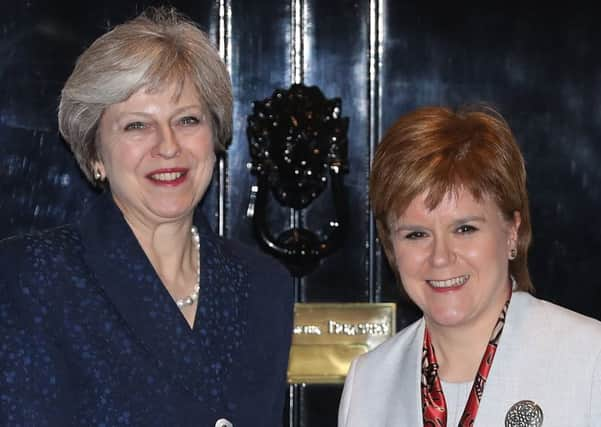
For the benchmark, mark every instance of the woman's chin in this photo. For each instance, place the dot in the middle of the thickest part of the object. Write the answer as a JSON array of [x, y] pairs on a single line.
[[159, 213], [446, 318], [171, 213], [170, 208]]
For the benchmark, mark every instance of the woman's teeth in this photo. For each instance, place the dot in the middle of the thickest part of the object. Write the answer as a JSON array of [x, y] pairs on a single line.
[[166, 176], [449, 283]]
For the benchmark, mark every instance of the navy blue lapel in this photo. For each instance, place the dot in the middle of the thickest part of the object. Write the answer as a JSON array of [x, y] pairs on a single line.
[[222, 316], [199, 359]]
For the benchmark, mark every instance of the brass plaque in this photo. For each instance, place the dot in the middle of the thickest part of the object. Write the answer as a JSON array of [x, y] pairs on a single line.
[[328, 336]]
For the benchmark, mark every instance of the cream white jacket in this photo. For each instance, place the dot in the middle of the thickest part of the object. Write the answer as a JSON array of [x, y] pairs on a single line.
[[547, 354]]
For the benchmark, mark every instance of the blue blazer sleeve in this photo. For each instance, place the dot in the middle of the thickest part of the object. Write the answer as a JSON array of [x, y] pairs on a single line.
[[33, 373]]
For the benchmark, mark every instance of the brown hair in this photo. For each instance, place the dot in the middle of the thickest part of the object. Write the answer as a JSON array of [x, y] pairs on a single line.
[[158, 47], [437, 150]]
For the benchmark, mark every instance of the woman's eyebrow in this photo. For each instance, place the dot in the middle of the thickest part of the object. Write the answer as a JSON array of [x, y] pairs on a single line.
[[469, 218], [399, 226]]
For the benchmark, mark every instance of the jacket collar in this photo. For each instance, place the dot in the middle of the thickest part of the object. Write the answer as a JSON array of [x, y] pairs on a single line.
[[396, 371], [410, 405], [199, 359], [506, 371]]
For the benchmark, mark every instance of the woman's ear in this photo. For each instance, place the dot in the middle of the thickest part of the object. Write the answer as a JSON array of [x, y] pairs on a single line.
[[512, 240], [513, 236], [515, 226], [98, 170]]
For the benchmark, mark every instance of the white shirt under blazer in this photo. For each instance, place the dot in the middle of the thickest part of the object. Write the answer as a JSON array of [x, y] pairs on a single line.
[[547, 354]]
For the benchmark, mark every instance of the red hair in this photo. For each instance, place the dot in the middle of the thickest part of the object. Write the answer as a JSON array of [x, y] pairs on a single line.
[[435, 150]]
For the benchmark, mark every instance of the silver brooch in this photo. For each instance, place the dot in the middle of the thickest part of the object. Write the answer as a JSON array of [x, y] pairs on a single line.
[[222, 422], [525, 413]]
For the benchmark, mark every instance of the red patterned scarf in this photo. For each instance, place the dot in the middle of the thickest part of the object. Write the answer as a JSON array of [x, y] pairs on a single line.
[[433, 401]]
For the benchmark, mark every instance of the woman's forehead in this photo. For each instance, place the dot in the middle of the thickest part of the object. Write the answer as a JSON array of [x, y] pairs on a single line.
[[176, 86], [456, 202]]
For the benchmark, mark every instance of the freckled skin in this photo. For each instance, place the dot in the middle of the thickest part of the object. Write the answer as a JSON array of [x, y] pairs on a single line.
[[460, 236]]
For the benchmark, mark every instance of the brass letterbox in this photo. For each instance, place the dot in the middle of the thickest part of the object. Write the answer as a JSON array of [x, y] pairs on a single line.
[[328, 336]]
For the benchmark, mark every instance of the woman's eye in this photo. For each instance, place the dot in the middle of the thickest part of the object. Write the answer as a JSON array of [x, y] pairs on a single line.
[[414, 235], [134, 126], [189, 120], [465, 228]]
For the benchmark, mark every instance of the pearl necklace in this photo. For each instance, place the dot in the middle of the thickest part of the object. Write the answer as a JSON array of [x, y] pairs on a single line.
[[193, 297]]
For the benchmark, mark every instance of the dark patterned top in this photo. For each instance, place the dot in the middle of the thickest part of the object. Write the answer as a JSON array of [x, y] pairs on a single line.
[[90, 336]]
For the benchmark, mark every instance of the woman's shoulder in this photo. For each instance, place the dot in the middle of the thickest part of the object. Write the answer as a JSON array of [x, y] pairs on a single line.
[[35, 272], [264, 277], [262, 269], [44, 243], [268, 277], [39, 248], [553, 316], [257, 261], [270, 297], [554, 328], [37, 257], [400, 347]]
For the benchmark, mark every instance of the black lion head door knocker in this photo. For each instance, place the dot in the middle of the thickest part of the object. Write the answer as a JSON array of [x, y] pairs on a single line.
[[298, 144]]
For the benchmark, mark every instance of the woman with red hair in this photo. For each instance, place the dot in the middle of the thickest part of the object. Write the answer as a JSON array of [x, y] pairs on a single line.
[[448, 189]]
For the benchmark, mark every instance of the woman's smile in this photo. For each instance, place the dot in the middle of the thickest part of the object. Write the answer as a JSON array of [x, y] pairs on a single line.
[[449, 284], [170, 177]]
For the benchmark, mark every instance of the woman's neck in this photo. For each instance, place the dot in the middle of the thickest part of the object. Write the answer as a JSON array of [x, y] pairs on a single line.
[[172, 253], [459, 352], [170, 250], [459, 349]]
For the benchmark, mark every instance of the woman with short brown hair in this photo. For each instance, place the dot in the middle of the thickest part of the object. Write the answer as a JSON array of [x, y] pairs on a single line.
[[448, 189]]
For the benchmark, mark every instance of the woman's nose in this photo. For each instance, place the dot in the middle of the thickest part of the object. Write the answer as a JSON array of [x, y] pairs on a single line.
[[167, 145], [442, 252]]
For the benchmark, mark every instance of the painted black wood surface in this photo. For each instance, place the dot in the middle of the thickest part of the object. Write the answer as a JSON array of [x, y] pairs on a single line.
[[539, 67]]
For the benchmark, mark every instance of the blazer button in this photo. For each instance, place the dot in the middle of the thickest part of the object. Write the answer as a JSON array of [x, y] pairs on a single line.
[[222, 422]]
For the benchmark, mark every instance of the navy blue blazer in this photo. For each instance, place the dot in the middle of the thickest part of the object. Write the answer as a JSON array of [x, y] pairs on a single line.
[[90, 336]]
